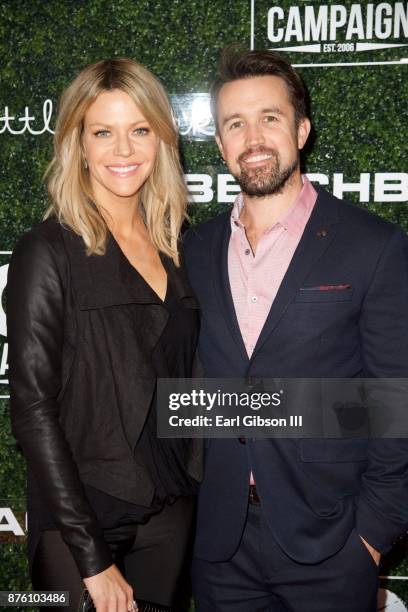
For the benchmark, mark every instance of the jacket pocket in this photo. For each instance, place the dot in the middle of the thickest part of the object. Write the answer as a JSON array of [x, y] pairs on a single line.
[[323, 296], [332, 450]]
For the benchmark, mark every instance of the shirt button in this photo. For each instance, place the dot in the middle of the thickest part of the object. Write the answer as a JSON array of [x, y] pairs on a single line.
[[247, 251], [254, 299]]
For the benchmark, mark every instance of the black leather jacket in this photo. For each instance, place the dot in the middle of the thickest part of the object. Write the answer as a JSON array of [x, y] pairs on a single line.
[[81, 330]]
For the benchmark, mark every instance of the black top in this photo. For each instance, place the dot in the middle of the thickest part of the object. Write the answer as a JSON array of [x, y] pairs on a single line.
[[164, 458]]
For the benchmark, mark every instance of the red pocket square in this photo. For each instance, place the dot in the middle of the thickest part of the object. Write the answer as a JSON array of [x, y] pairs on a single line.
[[326, 288]]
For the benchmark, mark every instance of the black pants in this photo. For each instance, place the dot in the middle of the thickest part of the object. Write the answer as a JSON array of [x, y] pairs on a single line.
[[152, 561], [260, 577]]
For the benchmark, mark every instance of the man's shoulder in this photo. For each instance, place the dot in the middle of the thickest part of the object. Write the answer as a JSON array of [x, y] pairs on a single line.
[[358, 220], [201, 234]]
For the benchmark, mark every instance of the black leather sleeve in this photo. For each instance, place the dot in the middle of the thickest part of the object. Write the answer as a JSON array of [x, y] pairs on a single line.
[[35, 319]]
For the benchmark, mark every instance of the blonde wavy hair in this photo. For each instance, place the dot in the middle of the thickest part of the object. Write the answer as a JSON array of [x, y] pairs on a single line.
[[162, 198]]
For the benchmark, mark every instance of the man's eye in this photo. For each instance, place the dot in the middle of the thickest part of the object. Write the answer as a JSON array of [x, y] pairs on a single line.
[[102, 133], [235, 124], [269, 118]]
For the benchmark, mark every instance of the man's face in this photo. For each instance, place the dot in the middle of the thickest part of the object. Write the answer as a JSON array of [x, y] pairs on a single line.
[[257, 134]]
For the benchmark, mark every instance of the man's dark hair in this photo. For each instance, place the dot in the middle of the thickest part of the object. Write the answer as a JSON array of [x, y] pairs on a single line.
[[235, 64]]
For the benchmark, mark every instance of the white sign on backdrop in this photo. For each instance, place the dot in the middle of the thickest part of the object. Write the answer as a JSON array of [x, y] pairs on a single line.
[[17, 125], [316, 30], [370, 187]]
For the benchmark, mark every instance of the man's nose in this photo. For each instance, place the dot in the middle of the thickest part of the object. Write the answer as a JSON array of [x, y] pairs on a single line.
[[254, 135]]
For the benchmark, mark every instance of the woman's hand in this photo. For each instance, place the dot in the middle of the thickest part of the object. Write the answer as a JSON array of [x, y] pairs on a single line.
[[110, 592]]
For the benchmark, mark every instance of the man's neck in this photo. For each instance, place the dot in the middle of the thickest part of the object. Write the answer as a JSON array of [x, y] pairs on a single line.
[[260, 213]]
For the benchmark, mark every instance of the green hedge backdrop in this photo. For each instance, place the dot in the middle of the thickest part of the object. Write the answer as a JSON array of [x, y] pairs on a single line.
[[358, 113]]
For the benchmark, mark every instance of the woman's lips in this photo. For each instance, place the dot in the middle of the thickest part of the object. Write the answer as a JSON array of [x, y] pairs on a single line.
[[123, 171]]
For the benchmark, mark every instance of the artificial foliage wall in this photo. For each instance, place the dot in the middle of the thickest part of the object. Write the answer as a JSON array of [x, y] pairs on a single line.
[[352, 57]]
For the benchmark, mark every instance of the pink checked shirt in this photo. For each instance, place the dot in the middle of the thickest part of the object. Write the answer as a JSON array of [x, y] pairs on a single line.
[[255, 279]]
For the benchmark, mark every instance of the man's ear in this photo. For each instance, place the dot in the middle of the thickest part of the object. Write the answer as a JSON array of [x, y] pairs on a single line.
[[303, 132], [219, 143]]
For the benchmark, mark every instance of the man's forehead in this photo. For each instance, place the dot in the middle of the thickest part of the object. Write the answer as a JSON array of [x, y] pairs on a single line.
[[254, 94], [260, 91]]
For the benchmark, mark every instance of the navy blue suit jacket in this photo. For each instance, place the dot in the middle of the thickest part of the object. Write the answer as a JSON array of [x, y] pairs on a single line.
[[313, 491]]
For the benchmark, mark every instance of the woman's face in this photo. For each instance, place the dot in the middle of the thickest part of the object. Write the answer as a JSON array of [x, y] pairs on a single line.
[[120, 147]]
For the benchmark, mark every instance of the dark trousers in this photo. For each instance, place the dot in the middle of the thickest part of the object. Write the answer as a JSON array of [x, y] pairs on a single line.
[[260, 577], [151, 559]]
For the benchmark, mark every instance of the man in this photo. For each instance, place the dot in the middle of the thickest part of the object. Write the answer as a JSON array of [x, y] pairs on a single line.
[[293, 283]]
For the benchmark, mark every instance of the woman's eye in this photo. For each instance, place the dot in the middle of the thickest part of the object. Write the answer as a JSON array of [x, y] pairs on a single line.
[[142, 131]]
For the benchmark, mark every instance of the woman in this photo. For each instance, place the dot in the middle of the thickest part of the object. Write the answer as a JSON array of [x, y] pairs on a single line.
[[98, 309]]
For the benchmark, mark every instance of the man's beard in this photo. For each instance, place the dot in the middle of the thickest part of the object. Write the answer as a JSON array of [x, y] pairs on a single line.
[[266, 180]]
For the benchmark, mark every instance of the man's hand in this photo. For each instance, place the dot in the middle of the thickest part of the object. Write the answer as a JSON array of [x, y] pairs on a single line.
[[110, 592], [373, 552]]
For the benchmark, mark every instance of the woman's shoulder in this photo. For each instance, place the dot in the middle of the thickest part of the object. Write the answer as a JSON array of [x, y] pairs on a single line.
[[42, 244], [50, 235], [47, 232]]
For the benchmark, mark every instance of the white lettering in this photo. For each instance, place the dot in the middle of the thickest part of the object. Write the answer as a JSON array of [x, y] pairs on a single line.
[[363, 187], [387, 187], [355, 24], [3, 283], [6, 119], [400, 19], [325, 21], [201, 192], [11, 523], [338, 18], [294, 25], [316, 29], [370, 20], [227, 188], [273, 36], [4, 360], [26, 120], [380, 21], [391, 187]]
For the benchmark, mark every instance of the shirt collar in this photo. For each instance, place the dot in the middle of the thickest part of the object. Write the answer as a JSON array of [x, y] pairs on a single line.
[[293, 220]]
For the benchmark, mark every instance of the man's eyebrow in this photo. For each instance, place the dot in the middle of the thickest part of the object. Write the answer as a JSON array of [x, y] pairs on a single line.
[[229, 117], [273, 109], [270, 109]]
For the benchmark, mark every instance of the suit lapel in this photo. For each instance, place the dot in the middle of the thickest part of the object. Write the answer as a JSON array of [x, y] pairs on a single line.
[[219, 257], [319, 233]]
